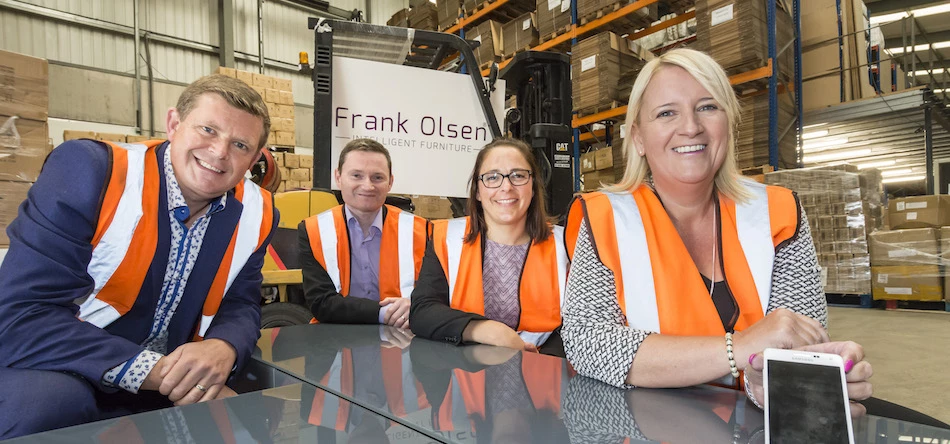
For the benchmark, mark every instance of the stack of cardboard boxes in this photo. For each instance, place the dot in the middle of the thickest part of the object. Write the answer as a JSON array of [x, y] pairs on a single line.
[[399, 19], [279, 96], [839, 224], [589, 10], [448, 12], [424, 16], [908, 262], [296, 170], [735, 33], [519, 34], [600, 65], [603, 164], [752, 135], [488, 34], [24, 134], [554, 18]]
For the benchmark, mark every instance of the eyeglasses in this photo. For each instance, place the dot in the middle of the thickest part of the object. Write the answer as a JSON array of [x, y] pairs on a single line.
[[516, 177]]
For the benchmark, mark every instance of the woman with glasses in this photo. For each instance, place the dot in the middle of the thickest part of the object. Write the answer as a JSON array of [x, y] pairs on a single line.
[[496, 277]]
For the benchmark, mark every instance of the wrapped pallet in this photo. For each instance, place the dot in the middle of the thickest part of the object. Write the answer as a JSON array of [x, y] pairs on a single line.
[[589, 10], [735, 33], [424, 16], [519, 34], [832, 201], [599, 66], [907, 264], [554, 18], [488, 34]]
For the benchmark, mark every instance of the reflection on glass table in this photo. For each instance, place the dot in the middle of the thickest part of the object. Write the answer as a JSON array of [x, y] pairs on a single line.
[[283, 414], [480, 393]]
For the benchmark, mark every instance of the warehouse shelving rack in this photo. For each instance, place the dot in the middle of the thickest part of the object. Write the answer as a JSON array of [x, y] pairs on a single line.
[[770, 71]]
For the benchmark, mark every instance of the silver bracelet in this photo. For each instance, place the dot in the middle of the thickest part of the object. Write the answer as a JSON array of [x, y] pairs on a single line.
[[748, 391], [732, 358]]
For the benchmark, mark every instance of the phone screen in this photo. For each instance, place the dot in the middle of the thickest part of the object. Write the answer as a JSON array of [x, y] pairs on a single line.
[[806, 404]]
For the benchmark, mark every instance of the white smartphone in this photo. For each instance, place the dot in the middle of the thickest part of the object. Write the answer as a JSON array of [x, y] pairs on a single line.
[[806, 398]]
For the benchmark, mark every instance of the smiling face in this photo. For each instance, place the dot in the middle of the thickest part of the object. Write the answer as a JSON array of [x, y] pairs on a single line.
[[364, 181], [212, 147], [508, 204], [682, 130]]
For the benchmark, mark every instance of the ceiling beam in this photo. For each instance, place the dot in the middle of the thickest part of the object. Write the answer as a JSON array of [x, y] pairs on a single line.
[[939, 36]]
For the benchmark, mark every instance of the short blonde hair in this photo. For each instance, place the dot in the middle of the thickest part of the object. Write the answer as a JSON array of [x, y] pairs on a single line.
[[713, 78], [237, 93]]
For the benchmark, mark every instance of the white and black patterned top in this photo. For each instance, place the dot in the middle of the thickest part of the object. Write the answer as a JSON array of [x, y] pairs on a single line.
[[600, 345], [185, 246]]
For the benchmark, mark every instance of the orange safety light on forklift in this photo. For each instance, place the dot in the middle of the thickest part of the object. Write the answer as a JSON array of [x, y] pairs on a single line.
[[304, 58]]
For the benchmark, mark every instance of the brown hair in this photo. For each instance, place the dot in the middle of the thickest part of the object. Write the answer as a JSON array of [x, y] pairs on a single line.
[[367, 145], [237, 93], [536, 223]]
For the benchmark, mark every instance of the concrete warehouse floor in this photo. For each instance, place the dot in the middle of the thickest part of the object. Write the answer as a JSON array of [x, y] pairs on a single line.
[[908, 350]]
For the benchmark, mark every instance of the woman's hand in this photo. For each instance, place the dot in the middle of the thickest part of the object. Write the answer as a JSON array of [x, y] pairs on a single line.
[[857, 372], [783, 329]]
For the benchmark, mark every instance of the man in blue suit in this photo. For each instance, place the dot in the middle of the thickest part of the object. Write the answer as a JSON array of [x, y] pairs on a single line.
[[133, 277]]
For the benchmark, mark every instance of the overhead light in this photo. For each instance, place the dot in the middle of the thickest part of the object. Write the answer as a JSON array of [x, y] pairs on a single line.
[[876, 164], [814, 134], [920, 48], [836, 155], [897, 172], [922, 12], [924, 72], [814, 125], [938, 91], [888, 17], [819, 145], [904, 179]]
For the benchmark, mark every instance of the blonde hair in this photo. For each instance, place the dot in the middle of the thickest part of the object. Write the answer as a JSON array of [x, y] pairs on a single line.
[[713, 78], [237, 93]]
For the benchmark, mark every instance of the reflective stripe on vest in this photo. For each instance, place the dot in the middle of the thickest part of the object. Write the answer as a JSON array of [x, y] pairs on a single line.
[[749, 234], [127, 235], [544, 274], [403, 238]]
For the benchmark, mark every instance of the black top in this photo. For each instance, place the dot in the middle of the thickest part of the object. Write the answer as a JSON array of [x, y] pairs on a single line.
[[725, 304]]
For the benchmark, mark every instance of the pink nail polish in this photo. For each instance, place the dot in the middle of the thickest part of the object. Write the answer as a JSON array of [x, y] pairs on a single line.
[[848, 365], [751, 358]]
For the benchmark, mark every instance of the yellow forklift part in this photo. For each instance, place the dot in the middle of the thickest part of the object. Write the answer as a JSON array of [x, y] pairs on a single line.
[[294, 206], [321, 201], [278, 277]]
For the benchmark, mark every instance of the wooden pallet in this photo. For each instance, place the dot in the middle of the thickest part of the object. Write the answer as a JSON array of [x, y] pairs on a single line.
[[507, 57], [850, 300], [759, 170], [485, 65], [600, 108], [623, 25], [916, 305], [557, 32], [503, 13]]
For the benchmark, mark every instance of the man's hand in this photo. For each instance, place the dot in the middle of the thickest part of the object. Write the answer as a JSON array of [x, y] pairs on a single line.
[[396, 337], [195, 366], [398, 312]]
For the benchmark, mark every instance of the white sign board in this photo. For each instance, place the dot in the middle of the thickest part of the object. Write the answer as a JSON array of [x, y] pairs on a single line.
[[431, 122]]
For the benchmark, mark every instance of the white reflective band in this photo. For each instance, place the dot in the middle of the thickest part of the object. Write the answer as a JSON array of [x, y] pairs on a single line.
[[115, 241], [328, 241], [562, 261], [406, 244], [248, 237], [454, 238], [639, 290], [755, 237]]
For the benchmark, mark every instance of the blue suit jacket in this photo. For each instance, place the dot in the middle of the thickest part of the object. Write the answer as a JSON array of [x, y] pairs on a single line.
[[44, 275]]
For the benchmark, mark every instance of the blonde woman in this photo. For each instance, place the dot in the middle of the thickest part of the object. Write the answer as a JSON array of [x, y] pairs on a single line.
[[683, 272]]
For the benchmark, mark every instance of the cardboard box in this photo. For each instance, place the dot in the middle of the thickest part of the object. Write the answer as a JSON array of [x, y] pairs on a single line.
[[286, 98], [262, 81], [292, 184], [448, 13], [819, 22], [111, 137], [300, 174], [285, 111], [592, 181], [291, 160], [278, 157], [24, 86], [588, 161], [432, 207], [602, 72], [488, 35], [554, 17], [519, 34], [915, 283], [245, 76], [919, 212], [230, 72], [399, 19], [305, 161], [137, 138], [73, 135], [260, 90], [11, 195], [271, 95], [285, 138], [604, 158], [904, 247], [282, 187], [23, 162], [284, 173], [283, 84]]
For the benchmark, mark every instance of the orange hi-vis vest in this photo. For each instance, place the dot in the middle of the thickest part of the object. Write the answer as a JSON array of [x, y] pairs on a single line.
[[402, 246], [545, 378], [126, 236], [541, 289], [659, 287]]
